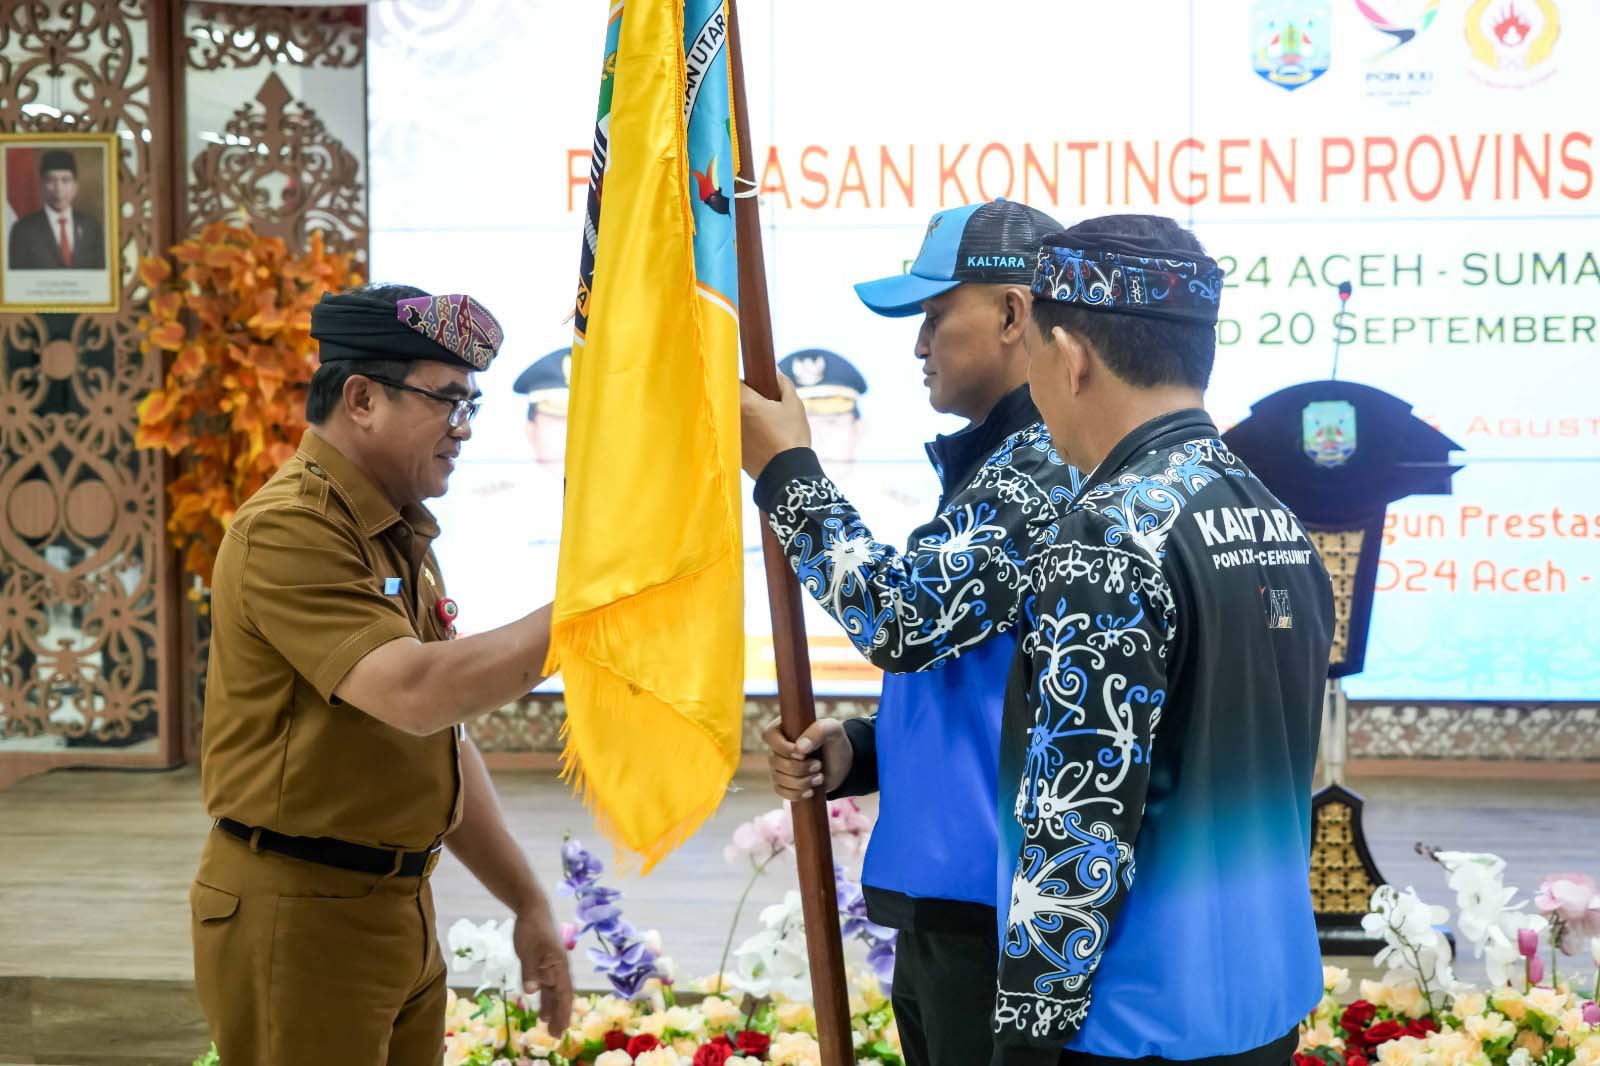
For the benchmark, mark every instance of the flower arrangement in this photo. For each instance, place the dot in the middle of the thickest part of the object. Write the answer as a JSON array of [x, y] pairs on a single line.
[[655, 1030], [237, 318], [758, 1014], [1418, 1014]]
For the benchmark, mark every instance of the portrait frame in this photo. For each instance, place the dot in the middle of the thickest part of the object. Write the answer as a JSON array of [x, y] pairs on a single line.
[[32, 276]]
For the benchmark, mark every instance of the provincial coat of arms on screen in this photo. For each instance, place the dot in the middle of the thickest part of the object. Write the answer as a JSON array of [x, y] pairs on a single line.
[[1291, 41], [1329, 432]]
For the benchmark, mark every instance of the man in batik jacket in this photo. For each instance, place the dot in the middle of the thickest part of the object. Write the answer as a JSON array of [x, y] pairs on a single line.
[[943, 606], [1161, 717]]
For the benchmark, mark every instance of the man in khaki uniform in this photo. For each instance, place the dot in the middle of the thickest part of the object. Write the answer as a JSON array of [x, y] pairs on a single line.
[[334, 759]]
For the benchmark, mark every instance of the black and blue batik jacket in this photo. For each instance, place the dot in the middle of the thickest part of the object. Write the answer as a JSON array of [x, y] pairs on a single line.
[[944, 605], [1156, 757]]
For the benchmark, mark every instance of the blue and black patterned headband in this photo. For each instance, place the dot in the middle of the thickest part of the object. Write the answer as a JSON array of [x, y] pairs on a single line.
[[1123, 281]]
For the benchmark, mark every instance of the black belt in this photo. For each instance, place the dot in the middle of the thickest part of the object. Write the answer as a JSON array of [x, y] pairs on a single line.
[[330, 852]]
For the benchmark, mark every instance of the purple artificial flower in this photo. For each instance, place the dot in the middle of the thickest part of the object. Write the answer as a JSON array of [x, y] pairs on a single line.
[[579, 867], [879, 940], [1591, 1013], [629, 967], [1527, 943], [1535, 970], [598, 910], [623, 956], [881, 959]]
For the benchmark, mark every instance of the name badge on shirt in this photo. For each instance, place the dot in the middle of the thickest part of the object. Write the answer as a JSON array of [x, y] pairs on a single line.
[[392, 586]]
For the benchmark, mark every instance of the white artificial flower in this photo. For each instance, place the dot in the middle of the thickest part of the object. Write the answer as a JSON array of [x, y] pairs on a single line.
[[666, 968], [503, 971], [1501, 958], [1489, 915], [1594, 950], [467, 943], [1520, 1057], [488, 945], [775, 960], [652, 940], [779, 914], [1413, 946], [1481, 894], [614, 1058]]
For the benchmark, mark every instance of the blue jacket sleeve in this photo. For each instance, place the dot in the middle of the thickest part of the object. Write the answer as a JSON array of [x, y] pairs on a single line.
[[1098, 628], [959, 579]]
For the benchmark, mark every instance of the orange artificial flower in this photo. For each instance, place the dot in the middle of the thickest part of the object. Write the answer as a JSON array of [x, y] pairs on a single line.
[[238, 316]]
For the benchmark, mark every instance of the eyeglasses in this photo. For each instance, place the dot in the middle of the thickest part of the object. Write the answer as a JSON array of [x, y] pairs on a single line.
[[461, 411]]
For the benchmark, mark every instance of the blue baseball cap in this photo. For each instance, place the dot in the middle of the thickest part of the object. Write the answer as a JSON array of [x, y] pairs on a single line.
[[995, 243]]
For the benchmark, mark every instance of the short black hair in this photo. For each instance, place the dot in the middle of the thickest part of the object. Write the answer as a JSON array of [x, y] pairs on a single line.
[[327, 384], [56, 159], [1142, 351]]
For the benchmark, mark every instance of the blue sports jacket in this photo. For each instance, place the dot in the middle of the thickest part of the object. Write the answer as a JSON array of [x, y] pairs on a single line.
[[932, 749]]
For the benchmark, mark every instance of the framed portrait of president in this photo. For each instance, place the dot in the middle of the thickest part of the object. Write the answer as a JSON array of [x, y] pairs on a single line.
[[58, 222]]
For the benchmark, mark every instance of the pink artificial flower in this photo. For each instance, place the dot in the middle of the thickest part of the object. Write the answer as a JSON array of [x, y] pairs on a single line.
[[1535, 970], [1527, 943], [569, 935], [1591, 1013], [850, 827], [761, 838], [1573, 900]]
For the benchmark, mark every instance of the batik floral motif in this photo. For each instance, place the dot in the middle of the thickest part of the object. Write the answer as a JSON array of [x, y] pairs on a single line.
[[959, 580]]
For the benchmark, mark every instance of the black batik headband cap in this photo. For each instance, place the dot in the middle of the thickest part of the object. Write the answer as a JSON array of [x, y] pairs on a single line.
[[452, 329], [1120, 276]]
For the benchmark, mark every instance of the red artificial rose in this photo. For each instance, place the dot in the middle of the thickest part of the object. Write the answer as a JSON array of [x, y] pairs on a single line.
[[1355, 1058], [715, 1053], [1421, 1027], [616, 1040], [642, 1043], [1302, 1059], [753, 1044], [1357, 1016], [1382, 1033]]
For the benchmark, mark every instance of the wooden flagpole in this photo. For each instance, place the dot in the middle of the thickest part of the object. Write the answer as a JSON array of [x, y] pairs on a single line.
[[796, 705]]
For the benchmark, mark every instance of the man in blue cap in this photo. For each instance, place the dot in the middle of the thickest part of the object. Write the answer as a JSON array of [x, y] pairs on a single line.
[[932, 749]]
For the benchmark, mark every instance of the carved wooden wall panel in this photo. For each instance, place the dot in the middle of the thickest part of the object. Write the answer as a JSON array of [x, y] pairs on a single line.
[[274, 126], [85, 604], [276, 120]]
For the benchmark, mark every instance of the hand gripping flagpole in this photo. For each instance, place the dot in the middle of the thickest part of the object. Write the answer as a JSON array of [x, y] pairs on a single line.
[[813, 844]]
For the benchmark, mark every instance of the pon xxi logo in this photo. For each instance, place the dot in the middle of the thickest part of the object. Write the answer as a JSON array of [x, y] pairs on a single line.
[[1401, 21], [1398, 75]]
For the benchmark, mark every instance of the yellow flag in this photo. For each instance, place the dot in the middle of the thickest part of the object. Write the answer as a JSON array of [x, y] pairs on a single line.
[[649, 628]]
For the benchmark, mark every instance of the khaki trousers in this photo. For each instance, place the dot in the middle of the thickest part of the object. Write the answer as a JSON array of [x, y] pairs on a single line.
[[298, 964]]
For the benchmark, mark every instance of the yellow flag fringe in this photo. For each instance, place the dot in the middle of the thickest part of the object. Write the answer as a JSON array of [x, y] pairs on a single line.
[[641, 732]]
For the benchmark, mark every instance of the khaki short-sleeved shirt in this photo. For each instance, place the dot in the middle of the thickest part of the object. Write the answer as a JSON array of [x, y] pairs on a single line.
[[316, 570]]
